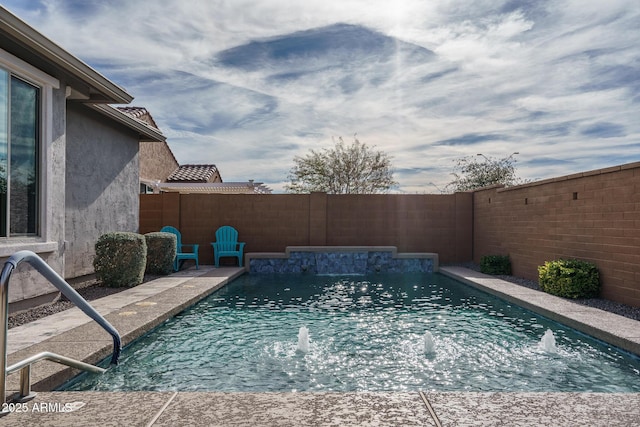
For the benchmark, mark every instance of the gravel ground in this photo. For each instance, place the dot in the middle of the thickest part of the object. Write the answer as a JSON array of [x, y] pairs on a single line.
[[96, 291]]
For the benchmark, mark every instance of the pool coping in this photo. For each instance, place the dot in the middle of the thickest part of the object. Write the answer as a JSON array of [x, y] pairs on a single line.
[[329, 409], [136, 311]]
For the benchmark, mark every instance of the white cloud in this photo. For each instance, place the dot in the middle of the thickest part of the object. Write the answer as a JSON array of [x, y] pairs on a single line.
[[556, 81]]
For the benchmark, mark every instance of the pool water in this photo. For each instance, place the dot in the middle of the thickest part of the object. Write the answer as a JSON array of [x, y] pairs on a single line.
[[366, 333]]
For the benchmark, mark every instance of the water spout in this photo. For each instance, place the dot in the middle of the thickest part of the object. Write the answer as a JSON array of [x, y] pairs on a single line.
[[429, 343], [548, 342], [303, 339]]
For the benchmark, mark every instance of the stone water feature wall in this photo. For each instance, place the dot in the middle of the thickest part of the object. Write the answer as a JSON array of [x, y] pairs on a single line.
[[340, 260]]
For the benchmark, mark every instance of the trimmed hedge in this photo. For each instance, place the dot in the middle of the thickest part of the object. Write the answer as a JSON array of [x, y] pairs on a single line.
[[161, 252], [120, 259], [495, 264], [570, 278]]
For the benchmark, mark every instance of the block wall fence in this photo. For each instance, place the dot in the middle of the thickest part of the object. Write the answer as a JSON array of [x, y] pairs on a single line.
[[593, 216], [270, 223]]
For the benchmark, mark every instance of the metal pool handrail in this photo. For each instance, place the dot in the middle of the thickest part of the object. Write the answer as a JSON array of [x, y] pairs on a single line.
[[55, 279]]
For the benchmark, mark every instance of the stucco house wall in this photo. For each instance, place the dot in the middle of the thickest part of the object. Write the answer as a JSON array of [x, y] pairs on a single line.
[[87, 160], [101, 184]]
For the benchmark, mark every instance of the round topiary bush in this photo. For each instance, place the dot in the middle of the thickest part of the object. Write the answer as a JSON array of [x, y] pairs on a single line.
[[121, 258], [161, 252], [570, 278]]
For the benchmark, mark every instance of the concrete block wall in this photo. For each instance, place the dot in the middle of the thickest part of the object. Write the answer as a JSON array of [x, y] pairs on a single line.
[[270, 223], [594, 216], [413, 223]]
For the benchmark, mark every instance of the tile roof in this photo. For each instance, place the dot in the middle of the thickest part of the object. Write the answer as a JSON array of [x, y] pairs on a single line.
[[139, 113], [215, 188], [193, 173]]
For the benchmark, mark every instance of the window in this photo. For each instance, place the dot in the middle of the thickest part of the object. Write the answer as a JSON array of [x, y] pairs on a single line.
[[19, 156], [145, 189]]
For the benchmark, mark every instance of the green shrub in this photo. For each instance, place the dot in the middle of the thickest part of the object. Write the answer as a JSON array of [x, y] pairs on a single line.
[[495, 264], [569, 278], [120, 259], [161, 251]]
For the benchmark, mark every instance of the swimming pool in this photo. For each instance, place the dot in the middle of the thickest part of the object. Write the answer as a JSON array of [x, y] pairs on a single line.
[[366, 333]]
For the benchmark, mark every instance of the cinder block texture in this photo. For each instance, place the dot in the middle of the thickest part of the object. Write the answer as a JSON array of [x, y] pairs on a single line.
[[270, 223], [593, 216]]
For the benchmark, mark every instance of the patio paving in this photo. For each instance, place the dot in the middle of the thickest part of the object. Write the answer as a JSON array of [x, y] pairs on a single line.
[[135, 311]]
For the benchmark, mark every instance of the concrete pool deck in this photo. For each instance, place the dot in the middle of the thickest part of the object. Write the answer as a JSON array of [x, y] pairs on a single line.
[[136, 311]]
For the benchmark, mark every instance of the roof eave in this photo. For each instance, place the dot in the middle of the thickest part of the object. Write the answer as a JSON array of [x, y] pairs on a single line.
[[147, 133], [215, 188], [30, 37]]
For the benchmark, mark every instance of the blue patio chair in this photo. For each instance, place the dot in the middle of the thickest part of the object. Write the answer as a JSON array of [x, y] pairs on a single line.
[[180, 255], [227, 244]]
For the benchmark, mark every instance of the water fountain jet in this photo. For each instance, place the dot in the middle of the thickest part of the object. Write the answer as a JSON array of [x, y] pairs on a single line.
[[548, 342], [303, 339], [429, 343]]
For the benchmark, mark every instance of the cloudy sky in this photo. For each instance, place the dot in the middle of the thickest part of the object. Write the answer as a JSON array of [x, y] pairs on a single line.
[[247, 85]]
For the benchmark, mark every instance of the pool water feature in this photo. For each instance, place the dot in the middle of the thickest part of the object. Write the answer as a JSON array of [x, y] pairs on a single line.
[[381, 332], [303, 339]]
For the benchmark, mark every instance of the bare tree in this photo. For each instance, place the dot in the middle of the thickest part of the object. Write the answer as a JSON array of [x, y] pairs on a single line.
[[472, 173], [353, 169]]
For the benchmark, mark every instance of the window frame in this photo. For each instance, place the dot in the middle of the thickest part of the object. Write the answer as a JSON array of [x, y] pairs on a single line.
[[43, 241]]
